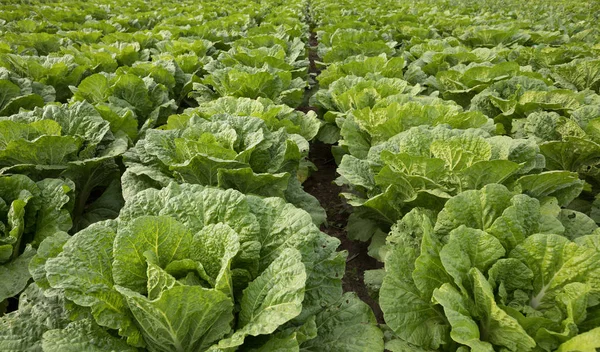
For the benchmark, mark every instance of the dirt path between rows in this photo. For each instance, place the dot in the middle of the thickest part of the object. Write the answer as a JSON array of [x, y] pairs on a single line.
[[320, 185]]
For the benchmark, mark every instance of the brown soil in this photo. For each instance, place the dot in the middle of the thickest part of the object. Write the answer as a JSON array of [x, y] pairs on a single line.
[[320, 184]]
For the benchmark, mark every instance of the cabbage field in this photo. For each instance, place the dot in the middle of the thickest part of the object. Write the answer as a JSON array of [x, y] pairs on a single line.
[[300, 175]]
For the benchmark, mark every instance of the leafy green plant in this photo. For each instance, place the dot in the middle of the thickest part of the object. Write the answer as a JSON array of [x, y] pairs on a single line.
[[365, 128], [265, 50], [251, 82], [341, 43], [188, 267], [58, 72], [352, 92], [228, 151], [129, 103], [578, 75], [275, 116], [29, 213], [511, 273], [71, 142], [426, 166], [362, 66], [22, 93]]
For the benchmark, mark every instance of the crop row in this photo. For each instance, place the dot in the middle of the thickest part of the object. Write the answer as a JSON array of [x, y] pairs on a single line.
[[151, 169], [467, 143], [152, 160]]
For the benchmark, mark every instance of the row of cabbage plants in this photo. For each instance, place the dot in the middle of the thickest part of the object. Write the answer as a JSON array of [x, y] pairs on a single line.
[[466, 138], [151, 169]]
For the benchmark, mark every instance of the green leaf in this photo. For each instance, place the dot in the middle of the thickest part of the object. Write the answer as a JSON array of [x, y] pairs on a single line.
[[132, 90], [52, 217], [159, 280], [347, 326], [359, 228], [215, 246], [27, 102], [411, 275], [120, 119], [576, 224], [572, 154], [457, 309], [248, 182], [9, 92], [296, 195], [578, 74], [22, 330], [460, 153], [512, 274], [15, 274], [476, 209], [586, 342], [555, 262], [272, 299], [469, 248], [486, 172], [52, 152], [565, 186], [164, 237], [49, 248], [79, 120], [356, 171], [279, 344], [108, 205], [496, 325], [93, 89], [183, 318], [80, 336], [89, 254], [283, 226], [518, 221]]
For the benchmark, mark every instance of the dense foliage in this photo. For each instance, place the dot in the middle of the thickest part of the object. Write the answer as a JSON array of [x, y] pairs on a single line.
[[467, 145], [151, 169], [153, 154]]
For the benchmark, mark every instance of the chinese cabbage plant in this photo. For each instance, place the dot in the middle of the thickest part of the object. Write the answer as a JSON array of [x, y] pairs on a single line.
[[72, 142], [494, 270], [425, 166], [29, 213], [189, 268], [228, 151], [129, 103], [275, 116]]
